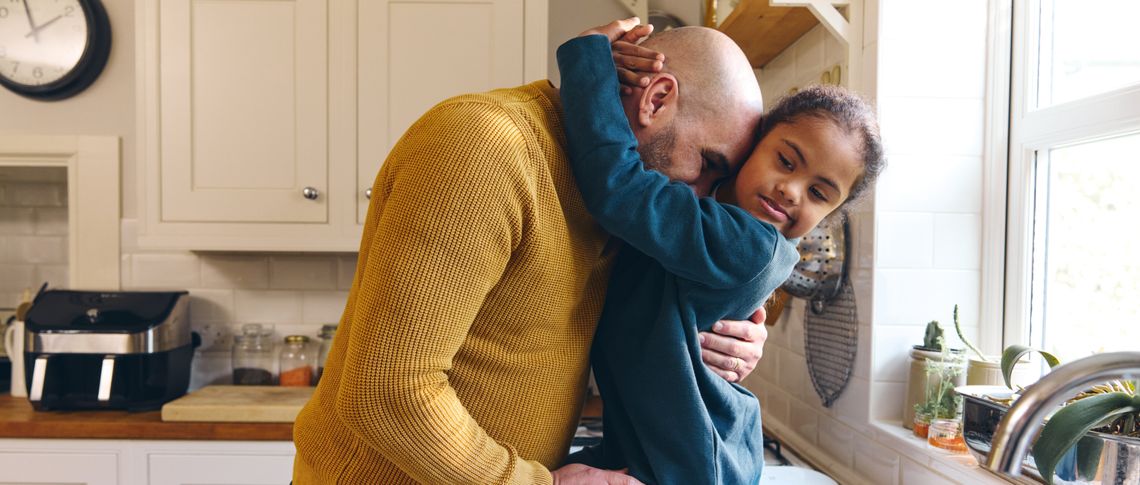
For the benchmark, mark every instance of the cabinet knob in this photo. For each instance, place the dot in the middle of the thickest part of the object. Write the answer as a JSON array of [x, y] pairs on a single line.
[[368, 193], [310, 193]]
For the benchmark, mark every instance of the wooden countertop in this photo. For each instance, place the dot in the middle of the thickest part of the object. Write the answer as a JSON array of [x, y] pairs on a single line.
[[19, 420]]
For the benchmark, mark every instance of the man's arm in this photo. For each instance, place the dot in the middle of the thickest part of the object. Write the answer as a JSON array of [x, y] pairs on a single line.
[[443, 234]]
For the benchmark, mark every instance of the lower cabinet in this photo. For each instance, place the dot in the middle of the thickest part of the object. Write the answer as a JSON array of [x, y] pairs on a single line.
[[62, 467], [143, 462]]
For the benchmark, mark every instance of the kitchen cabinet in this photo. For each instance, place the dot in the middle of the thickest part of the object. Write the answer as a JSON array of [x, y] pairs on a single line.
[[217, 469], [145, 462], [263, 124], [52, 467]]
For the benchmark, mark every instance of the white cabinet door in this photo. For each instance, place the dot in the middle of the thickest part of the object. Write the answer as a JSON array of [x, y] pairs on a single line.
[[48, 468], [413, 54], [218, 469], [243, 110]]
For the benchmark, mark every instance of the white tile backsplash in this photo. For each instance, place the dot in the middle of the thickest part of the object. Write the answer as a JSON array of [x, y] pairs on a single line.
[[805, 422], [853, 405], [38, 249], [211, 305], [959, 130], [892, 342], [17, 220], [914, 297], [776, 406], [323, 307], [887, 400], [51, 221], [913, 473], [931, 183], [31, 194], [267, 306], [838, 440], [905, 240], [346, 271], [245, 271], [56, 275], [302, 273], [793, 374], [958, 241], [16, 277], [879, 463], [164, 271]]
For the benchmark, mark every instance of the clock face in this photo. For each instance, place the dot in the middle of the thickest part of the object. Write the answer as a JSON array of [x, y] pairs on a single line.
[[41, 41]]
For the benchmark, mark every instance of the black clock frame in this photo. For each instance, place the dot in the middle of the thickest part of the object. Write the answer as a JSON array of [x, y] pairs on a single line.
[[90, 64]]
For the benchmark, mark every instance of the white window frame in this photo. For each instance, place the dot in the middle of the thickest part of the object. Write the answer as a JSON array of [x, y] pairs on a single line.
[[1103, 115]]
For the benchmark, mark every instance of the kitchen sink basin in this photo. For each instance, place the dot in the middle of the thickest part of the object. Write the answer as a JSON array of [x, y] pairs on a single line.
[[1107, 459]]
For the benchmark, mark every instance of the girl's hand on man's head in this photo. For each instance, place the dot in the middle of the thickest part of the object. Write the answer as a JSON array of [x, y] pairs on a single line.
[[634, 63]]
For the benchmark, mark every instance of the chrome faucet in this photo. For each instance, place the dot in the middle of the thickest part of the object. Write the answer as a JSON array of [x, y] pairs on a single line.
[[1021, 422]]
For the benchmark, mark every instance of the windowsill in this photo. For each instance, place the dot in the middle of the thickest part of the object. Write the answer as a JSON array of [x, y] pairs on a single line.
[[960, 468]]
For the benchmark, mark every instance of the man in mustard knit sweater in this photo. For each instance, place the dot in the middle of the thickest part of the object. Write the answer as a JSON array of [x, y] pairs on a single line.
[[463, 351]]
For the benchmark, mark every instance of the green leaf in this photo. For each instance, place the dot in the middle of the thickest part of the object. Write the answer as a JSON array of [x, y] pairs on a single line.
[[1013, 353], [1071, 423], [1088, 456]]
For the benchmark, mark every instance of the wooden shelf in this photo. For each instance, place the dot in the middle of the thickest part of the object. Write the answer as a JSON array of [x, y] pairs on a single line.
[[764, 31]]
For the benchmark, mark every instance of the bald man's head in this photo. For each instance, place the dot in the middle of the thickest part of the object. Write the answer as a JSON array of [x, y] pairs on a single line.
[[697, 119]]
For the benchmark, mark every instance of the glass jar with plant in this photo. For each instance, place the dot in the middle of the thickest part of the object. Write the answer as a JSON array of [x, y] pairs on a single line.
[[919, 379], [939, 399]]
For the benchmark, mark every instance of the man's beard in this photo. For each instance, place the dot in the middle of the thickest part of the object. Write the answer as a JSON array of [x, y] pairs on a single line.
[[657, 151]]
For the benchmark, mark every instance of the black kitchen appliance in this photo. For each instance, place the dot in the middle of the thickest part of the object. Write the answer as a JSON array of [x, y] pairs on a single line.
[[107, 350]]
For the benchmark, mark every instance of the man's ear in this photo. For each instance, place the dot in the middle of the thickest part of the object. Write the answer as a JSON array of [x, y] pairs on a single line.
[[658, 100]]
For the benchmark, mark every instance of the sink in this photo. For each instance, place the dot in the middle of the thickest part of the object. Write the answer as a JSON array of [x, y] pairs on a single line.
[[980, 419]]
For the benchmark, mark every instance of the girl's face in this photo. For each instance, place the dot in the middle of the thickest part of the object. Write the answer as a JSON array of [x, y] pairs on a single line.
[[799, 173]]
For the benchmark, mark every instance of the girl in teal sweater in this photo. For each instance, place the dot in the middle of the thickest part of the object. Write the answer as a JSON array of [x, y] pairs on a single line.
[[691, 261]]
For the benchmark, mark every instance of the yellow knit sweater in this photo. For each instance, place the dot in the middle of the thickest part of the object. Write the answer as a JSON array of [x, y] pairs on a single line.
[[463, 350]]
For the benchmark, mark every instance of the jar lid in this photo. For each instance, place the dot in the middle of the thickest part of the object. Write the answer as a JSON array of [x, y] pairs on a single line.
[[296, 339], [328, 330]]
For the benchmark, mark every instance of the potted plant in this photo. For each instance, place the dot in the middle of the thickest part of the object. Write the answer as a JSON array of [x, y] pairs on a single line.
[[1111, 408], [982, 369], [939, 401], [920, 379]]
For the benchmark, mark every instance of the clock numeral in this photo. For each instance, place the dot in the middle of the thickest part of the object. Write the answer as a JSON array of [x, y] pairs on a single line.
[[3, 12], [15, 66], [68, 10], [38, 72]]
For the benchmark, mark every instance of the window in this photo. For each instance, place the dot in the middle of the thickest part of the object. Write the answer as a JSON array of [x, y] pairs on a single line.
[[1073, 221]]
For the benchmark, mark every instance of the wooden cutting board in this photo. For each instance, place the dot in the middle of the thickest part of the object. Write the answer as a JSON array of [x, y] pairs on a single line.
[[239, 404]]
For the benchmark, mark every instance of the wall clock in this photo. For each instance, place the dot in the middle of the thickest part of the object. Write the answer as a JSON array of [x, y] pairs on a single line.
[[52, 49]]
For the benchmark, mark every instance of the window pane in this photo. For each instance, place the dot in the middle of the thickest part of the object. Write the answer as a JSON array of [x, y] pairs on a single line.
[[1092, 274], [1087, 47]]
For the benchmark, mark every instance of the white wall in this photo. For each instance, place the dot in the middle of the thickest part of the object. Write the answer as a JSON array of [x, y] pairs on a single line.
[[916, 249]]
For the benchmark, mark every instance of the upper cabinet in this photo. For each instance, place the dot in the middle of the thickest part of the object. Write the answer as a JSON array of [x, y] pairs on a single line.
[[413, 54], [244, 111], [263, 124]]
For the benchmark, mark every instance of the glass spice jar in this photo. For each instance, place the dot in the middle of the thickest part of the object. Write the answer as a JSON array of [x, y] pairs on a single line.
[[946, 435], [326, 338], [252, 357], [296, 362], [922, 424]]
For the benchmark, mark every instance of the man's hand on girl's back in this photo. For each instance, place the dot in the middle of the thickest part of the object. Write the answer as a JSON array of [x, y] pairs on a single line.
[[734, 347]]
